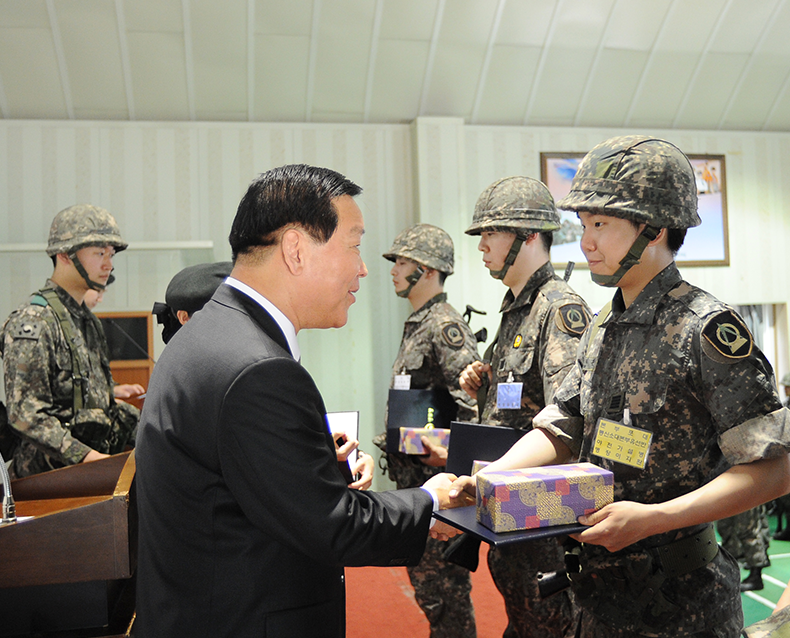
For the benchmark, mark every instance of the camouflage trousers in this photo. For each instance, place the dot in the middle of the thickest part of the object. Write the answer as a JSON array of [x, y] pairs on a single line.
[[443, 592], [746, 536], [591, 627], [515, 572]]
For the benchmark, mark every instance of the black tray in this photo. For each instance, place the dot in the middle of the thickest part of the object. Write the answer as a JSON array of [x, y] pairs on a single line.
[[465, 519]]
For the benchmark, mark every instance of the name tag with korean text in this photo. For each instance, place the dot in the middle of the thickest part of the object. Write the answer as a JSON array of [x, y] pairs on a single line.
[[622, 443]]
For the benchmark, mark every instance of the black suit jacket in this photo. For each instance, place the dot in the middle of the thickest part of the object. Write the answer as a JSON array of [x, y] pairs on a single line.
[[245, 520]]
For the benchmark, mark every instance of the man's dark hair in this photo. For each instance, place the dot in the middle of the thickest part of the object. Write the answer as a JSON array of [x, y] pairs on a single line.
[[547, 238], [296, 194], [675, 239]]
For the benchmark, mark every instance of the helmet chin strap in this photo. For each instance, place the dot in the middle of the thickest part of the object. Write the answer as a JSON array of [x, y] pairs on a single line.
[[630, 260], [511, 257], [93, 285], [412, 279]]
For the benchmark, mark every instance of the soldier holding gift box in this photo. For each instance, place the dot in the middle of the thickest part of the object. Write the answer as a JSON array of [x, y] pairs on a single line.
[[542, 321], [437, 345], [670, 393]]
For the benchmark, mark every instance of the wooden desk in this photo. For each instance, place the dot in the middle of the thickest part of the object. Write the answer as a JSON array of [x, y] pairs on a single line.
[[78, 552]]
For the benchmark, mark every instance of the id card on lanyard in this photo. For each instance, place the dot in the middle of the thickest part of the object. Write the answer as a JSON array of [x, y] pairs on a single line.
[[508, 395]]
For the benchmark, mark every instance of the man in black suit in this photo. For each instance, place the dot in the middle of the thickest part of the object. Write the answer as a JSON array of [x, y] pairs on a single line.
[[245, 520]]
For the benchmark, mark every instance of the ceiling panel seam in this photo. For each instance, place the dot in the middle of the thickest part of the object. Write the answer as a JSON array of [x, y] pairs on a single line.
[[250, 60], [648, 64], [426, 80], [750, 62], [542, 61], [594, 65], [698, 68], [189, 65], [487, 59], [312, 59], [126, 66], [61, 58], [374, 47]]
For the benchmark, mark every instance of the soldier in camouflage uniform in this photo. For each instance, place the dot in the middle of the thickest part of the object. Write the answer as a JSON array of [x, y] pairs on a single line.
[[668, 392], [52, 341], [542, 320], [437, 345], [746, 536]]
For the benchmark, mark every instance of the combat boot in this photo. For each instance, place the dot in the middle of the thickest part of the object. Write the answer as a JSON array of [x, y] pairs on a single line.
[[754, 581]]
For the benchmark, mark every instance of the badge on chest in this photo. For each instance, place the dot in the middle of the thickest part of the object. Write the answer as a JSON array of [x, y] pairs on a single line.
[[621, 442]]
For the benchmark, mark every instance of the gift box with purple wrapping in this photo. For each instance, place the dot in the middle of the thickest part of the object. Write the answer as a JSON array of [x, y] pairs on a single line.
[[410, 442], [541, 497]]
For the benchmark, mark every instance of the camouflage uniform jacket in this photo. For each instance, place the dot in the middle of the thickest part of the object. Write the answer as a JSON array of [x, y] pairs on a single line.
[[39, 390], [686, 368], [537, 341], [437, 345]]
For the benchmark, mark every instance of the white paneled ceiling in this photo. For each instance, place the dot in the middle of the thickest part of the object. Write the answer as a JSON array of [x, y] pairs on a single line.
[[709, 64]]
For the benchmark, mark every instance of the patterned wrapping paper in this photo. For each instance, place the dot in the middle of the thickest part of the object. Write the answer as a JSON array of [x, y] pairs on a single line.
[[479, 465], [541, 497], [410, 442]]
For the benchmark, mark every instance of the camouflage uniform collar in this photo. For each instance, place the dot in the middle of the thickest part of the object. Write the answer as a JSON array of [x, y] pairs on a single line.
[[527, 294], [643, 309], [419, 314], [74, 309]]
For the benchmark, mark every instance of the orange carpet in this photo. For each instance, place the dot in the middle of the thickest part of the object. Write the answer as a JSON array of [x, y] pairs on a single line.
[[380, 603]]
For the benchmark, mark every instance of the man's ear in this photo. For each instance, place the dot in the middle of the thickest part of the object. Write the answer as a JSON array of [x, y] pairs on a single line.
[[63, 258], [662, 236], [293, 246], [429, 273]]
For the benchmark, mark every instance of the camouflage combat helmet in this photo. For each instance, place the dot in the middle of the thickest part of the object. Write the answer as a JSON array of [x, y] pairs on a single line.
[[516, 204], [635, 177], [639, 178], [520, 205], [426, 245], [81, 226]]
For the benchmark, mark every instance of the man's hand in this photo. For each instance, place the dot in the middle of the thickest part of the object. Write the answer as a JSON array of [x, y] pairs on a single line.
[[618, 525], [441, 531], [464, 485], [441, 484], [364, 468], [471, 378], [437, 456], [127, 390], [343, 446]]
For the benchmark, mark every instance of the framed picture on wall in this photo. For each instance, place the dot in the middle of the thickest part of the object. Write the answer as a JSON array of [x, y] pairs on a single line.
[[705, 245]]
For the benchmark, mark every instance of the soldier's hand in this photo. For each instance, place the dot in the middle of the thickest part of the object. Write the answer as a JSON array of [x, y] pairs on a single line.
[[471, 378], [619, 525], [94, 455], [437, 454], [127, 390]]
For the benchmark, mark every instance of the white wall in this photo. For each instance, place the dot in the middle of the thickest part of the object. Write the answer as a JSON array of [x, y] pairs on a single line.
[[169, 184]]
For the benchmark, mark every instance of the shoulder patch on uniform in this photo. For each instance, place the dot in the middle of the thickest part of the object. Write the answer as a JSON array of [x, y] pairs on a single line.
[[453, 335], [28, 329], [572, 319], [728, 336]]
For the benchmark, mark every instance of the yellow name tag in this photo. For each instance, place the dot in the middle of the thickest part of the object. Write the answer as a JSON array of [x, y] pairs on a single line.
[[622, 443]]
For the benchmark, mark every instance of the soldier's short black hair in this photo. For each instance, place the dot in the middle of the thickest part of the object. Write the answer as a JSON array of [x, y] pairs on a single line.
[[295, 194]]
